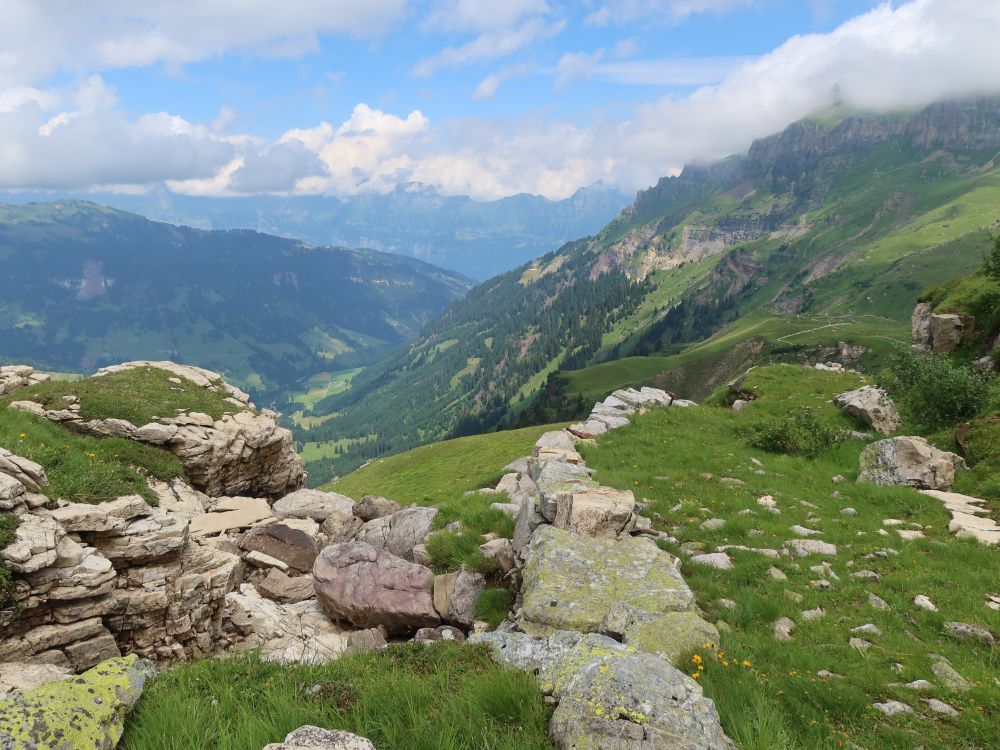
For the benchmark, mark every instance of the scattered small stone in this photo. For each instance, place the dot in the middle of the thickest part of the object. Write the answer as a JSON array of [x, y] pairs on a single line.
[[867, 629], [693, 548], [924, 602], [848, 512], [920, 685], [777, 574], [806, 547], [898, 668], [747, 512], [803, 531], [825, 674], [877, 602], [717, 560], [713, 524], [814, 614], [727, 603], [940, 707], [883, 532], [892, 522], [783, 628], [807, 504], [755, 532], [949, 677], [891, 708], [967, 631], [732, 480], [756, 462], [766, 501], [707, 475], [821, 585], [993, 602], [837, 479], [793, 596], [909, 535], [859, 643], [824, 570], [866, 575]]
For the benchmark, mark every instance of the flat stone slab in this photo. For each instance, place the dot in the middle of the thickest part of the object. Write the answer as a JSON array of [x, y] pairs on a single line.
[[574, 582], [236, 513]]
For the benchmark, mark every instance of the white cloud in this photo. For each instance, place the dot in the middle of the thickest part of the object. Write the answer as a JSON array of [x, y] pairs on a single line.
[[41, 38], [659, 11], [689, 71], [482, 15], [491, 45]]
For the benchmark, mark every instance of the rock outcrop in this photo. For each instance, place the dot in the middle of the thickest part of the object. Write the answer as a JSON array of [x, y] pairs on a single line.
[[871, 406], [81, 712], [15, 377], [909, 461], [610, 695], [938, 334], [244, 453]]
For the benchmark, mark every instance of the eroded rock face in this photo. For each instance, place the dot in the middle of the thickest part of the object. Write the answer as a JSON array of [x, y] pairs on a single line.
[[293, 542], [82, 712], [909, 461], [368, 586], [28, 473], [610, 696], [14, 377], [871, 406], [576, 582]]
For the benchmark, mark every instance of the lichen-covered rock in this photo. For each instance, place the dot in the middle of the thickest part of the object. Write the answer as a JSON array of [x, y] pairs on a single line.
[[315, 738], [610, 696], [574, 582], [368, 586], [871, 406], [673, 635], [82, 712], [909, 461], [601, 512]]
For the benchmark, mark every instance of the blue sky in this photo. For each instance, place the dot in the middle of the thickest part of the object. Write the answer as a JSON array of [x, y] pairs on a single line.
[[222, 97]]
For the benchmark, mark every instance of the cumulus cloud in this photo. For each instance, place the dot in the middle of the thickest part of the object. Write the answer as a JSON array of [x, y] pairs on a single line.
[[40, 38], [681, 71]]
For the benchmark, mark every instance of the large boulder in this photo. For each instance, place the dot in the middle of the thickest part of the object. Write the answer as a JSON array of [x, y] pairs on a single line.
[[871, 406], [576, 582], [601, 512], [400, 532], [939, 334], [909, 461], [371, 507], [83, 712], [369, 586], [610, 696], [313, 504]]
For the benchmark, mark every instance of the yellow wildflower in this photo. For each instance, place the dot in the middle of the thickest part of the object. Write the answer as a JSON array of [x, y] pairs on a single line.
[[695, 675], [746, 664], [696, 659], [23, 435]]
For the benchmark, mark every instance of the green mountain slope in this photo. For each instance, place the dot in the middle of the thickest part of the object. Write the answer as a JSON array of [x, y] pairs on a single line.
[[834, 225], [84, 286]]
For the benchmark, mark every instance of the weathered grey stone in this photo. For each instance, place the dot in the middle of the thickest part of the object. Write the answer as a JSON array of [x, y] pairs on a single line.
[[950, 678], [967, 631], [501, 551], [600, 512], [315, 738], [370, 639], [11, 492], [400, 532], [371, 507], [891, 708], [673, 635], [102, 517], [871, 406], [783, 628], [35, 544], [455, 596], [280, 587], [368, 586], [231, 514], [143, 539], [572, 582], [28, 675], [909, 461], [806, 547], [313, 504]]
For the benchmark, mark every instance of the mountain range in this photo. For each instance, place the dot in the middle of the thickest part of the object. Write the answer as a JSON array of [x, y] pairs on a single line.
[[86, 286], [825, 232], [478, 239]]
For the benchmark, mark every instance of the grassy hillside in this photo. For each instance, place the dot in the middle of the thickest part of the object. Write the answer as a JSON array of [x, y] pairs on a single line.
[[86, 286], [835, 224], [780, 695]]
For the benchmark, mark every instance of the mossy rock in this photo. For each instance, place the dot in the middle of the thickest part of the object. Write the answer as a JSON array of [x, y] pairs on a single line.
[[673, 636], [87, 711]]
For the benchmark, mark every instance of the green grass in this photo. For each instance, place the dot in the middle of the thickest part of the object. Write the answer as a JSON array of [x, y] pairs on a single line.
[[85, 469], [439, 475], [8, 525], [138, 396], [406, 697], [493, 605], [674, 460]]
